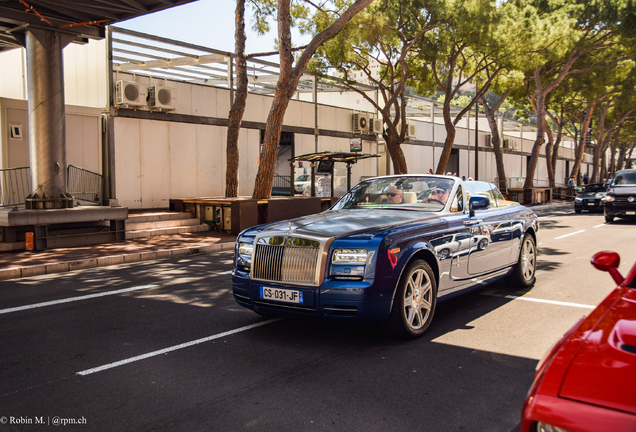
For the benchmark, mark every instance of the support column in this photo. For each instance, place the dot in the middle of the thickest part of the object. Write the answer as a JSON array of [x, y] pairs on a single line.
[[47, 121]]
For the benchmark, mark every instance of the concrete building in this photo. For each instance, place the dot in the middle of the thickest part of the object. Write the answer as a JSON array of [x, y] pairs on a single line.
[[150, 149]]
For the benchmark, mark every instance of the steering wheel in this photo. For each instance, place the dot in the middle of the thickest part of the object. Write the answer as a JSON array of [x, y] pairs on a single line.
[[435, 200]]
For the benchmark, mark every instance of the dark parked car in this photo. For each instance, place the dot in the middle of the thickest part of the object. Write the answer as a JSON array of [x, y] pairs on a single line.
[[621, 196], [591, 198], [376, 256], [587, 381]]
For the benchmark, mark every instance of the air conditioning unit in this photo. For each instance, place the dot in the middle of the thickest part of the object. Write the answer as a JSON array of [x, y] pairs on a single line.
[[361, 122], [128, 93], [488, 140], [513, 144], [162, 98], [410, 129], [377, 125]]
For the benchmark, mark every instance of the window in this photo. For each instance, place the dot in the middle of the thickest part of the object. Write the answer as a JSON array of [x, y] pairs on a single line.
[[480, 188], [458, 201]]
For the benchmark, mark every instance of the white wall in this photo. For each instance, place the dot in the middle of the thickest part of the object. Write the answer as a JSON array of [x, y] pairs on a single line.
[[156, 161], [83, 136], [13, 74], [85, 74]]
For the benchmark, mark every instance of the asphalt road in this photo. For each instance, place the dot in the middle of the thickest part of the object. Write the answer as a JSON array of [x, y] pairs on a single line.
[[162, 346]]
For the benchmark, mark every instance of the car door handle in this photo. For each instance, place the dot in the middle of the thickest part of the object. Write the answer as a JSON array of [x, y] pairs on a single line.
[[473, 222]]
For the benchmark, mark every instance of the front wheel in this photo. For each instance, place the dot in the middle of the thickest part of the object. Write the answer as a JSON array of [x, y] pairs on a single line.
[[414, 302], [523, 274], [609, 219]]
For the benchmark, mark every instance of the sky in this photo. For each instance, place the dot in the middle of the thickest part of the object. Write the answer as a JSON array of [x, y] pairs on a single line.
[[209, 23]]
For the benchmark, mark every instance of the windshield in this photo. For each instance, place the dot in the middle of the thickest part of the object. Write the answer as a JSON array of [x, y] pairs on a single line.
[[595, 187], [625, 178], [425, 193]]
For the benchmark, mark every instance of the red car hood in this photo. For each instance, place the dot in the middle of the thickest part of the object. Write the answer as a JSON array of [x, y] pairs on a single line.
[[603, 372]]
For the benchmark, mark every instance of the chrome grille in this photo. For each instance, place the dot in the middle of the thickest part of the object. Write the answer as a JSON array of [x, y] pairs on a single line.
[[283, 263]]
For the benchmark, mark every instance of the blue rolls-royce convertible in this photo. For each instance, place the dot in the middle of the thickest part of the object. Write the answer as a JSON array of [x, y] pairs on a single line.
[[386, 251]]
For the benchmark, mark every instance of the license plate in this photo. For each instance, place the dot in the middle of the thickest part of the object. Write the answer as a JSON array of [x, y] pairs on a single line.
[[630, 213], [590, 203], [284, 295]]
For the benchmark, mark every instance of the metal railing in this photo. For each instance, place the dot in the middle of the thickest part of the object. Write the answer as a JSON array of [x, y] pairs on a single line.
[[518, 182], [15, 186], [280, 186], [84, 185]]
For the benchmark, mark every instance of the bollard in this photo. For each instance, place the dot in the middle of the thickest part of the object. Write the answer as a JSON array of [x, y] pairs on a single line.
[[29, 240]]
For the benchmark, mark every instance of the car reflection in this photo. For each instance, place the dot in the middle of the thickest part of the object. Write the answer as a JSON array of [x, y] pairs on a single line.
[[458, 244]]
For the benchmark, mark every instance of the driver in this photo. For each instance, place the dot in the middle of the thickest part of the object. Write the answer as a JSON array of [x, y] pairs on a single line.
[[439, 195], [394, 195]]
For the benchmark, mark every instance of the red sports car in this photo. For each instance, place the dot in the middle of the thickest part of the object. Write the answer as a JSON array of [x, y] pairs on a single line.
[[587, 382]]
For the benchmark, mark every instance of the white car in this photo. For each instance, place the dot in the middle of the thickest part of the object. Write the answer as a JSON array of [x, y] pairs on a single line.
[[459, 243]]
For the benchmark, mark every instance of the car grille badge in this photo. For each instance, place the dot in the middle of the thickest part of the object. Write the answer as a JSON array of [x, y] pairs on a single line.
[[630, 199]]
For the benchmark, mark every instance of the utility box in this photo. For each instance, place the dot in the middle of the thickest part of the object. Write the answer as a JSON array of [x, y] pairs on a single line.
[[219, 217], [227, 218]]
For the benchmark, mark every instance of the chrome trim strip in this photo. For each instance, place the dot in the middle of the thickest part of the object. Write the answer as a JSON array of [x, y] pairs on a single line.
[[279, 305]]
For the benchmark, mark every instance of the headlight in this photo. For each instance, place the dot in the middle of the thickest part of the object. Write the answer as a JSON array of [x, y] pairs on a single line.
[[245, 251], [610, 198], [543, 427], [349, 256], [577, 199]]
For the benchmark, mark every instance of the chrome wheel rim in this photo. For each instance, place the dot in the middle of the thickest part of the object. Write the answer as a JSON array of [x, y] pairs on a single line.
[[528, 259], [417, 299]]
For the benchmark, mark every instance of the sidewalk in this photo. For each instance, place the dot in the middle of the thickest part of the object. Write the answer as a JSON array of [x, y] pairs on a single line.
[[17, 264]]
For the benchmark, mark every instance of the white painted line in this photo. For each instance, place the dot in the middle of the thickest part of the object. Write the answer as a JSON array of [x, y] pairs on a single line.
[[547, 217], [74, 299], [600, 225], [554, 302], [175, 347], [568, 235], [225, 272]]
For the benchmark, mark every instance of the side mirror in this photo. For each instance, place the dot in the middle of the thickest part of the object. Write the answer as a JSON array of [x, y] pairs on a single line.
[[477, 203], [608, 261]]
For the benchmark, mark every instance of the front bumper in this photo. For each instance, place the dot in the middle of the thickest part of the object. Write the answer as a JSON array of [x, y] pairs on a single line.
[[365, 300], [589, 204], [620, 209]]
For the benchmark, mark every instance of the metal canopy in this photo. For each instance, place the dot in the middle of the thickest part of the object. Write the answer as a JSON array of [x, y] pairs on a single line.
[[345, 157], [145, 54], [331, 157], [80, 19]]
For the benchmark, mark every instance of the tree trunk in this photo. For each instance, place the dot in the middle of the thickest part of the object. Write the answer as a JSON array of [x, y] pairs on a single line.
[[286, 86], [450, 138], [235, 117], [495, 140], [536, 148], [612, 167], [555, 153], [580, 149], [549, 148], [622, 152]]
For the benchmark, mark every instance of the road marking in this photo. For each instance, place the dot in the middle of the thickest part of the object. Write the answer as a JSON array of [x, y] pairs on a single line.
[[583, 306], [600, 225], [74, 299], [568, 235], [175, 347], [547, 217], [225, 272]]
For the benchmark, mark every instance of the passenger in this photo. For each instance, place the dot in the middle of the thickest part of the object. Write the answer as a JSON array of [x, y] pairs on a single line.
[[394, 195]]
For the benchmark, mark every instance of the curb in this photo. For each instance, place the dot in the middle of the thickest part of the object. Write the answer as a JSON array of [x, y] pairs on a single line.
[[106, 261]]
